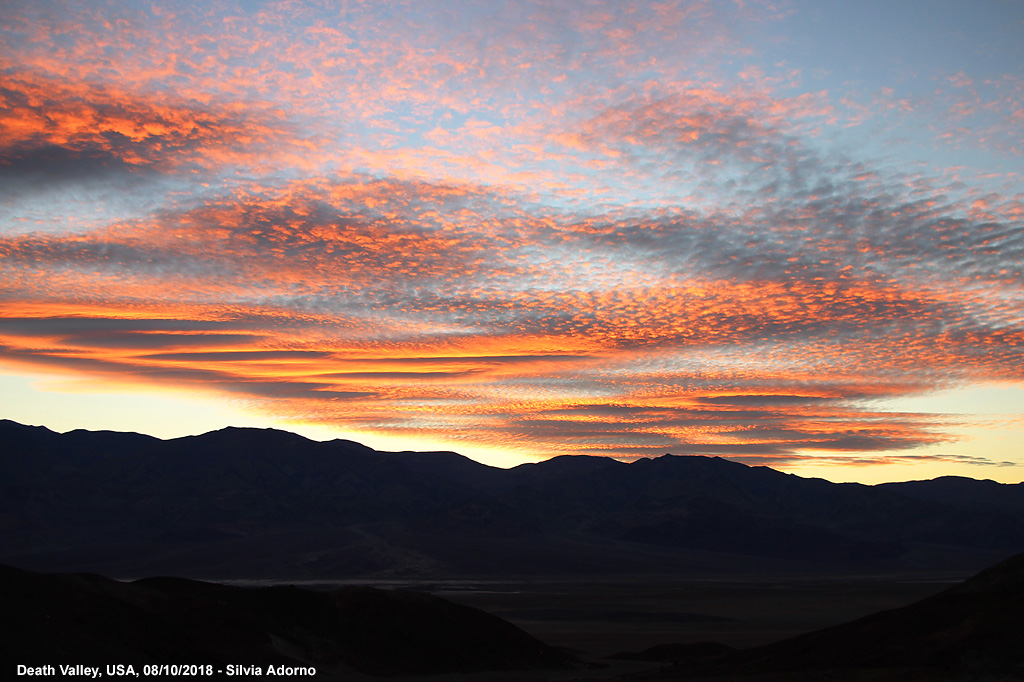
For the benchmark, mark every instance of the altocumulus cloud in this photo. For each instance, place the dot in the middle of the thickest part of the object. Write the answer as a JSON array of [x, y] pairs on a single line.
[[579, 242]]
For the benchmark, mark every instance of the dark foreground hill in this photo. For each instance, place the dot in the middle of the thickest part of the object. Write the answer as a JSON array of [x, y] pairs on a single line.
[[265, 503], [972, 631], [85, 619]]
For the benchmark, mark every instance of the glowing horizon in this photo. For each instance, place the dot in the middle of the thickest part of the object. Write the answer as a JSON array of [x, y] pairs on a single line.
[[785, 233]]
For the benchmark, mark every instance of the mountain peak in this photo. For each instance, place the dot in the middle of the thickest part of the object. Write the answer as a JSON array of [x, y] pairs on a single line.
[[266, 501], [13, 425]]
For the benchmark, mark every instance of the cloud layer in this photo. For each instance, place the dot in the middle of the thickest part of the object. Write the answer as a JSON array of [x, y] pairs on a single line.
[[563, 237]]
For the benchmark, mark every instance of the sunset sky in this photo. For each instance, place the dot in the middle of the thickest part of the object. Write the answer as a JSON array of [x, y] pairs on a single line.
[[788, 233]]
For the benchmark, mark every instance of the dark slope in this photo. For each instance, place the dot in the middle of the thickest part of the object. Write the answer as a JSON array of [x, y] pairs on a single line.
[[88, 619], [267, 503], [232, 481], [974, 630], [715, 504]]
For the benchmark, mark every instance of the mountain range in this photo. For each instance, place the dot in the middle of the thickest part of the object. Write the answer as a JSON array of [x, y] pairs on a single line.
[[264, 503]]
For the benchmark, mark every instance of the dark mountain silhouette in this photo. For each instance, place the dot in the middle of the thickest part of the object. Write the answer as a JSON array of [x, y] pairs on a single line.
[[267, 503], [972, 631], [966, 493], [90, 620]]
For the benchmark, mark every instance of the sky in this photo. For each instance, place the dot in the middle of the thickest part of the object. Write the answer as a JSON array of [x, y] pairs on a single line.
[[788, 233]]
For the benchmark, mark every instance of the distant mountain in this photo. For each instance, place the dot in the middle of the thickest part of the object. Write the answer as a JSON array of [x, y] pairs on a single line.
[[82, 619], [267, 503], [966, 493]]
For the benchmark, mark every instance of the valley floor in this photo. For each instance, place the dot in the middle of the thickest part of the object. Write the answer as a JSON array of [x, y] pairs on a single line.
[[595, 619]]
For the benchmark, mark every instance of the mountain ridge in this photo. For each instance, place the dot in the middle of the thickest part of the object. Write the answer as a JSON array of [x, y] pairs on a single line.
[[205, 505]]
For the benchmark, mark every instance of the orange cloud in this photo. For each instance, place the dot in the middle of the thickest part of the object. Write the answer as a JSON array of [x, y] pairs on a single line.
[[540, 226], [45, 121]]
